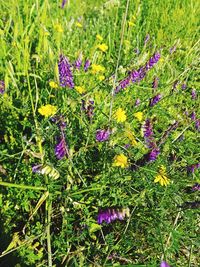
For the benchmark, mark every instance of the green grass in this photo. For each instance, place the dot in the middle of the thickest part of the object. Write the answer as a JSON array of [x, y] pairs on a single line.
[[46, 221]]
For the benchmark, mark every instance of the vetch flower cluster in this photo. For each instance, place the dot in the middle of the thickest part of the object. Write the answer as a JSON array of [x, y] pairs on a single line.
[[2, 87], [102, 135], [138, 75], [65, 72], [111, 214]]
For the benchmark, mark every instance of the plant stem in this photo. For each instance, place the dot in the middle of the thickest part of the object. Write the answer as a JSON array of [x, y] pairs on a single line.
[[48, 230], [23, 186]]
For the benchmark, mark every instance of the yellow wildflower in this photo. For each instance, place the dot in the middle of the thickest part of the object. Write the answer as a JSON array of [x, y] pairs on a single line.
[[58, 27], [161, 177], [101, 77], [53, 84], [120, 161], [131, 23], [120, 115], [99, 37], [1, 32], [97, 68], [138, 115], [79, 25], [47, 110], [80, 89], [102, 47]]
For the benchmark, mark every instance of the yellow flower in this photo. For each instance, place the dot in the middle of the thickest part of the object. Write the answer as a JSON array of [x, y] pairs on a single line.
[[99, 37], [131, 23], [79, 25], [120, 161], [161, 60], [97, 68], [47, 110], [102, 47], [138, 115], [58, 27], [53, 84], [80, 89], [161, 177], [101, 77], [120, 115], [1, 32]]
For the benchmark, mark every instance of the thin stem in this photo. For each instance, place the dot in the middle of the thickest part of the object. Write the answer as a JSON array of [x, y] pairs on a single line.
[[23, 186], [48, 231], [118, 59]]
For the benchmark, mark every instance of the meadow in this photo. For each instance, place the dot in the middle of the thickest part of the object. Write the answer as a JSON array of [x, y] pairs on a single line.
[[99, 133]]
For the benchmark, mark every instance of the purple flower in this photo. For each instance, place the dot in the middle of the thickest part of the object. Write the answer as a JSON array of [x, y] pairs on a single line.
[[59, 120], [197, 124], [164, 264], [183, 86], [78, 62], [102, 135], [86, 65], [88, 107], [63, 3], [152, 61], [154, 100], [194, 94], [172, 49], [155, 83], [154, 154], [147, 38], [193, 116], [137, 102], [196, 187], [2, 87], [148, 131], [61, 149], [37, 168], [138, 75], [192, 167], [65, 73], [111, 214]]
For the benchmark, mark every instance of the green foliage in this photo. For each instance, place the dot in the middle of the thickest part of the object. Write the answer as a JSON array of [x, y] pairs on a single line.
[[54, 212]]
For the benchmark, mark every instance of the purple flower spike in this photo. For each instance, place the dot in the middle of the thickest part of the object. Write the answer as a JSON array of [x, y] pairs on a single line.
[[63, 3], [65, 73], [147, 38], [155, 100], [194, 94], [137, 102], [196, 187], [37, 168], [148, 131], [154, 154], [183, 86], [110, 214], [61, 149], [164, 264], [197, 124], [155, 83], [192, 167], [2, 87], [152, 61], [78, 62], [102, 135], [193, 116], [86, 65]]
